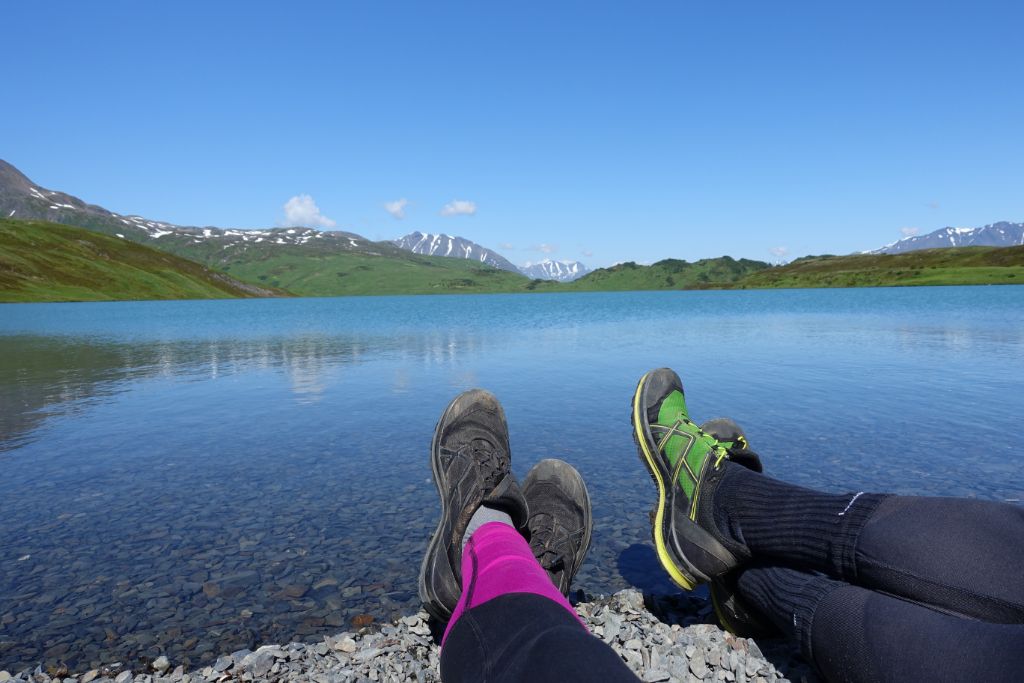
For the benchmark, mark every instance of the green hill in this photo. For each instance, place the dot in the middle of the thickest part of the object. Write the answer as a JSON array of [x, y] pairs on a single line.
[[947, 266], [667, 274], [358, 273], [48, 262]]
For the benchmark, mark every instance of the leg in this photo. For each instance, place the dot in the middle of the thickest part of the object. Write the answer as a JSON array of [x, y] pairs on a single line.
[[513, 624], [508, 618], [854, 634], [959, 555]]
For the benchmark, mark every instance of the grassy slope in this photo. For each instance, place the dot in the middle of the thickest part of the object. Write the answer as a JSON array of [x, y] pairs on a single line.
[[49, 262], [342, 274], [952, 266], [667, 274]]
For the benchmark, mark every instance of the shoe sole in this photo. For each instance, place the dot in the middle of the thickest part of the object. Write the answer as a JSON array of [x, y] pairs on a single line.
[[427, 595], [648, 459]]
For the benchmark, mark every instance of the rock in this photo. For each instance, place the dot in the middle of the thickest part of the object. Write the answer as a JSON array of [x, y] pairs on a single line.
[[295, 590], [223, 664], [88, 676], [123, 677], [697, 664], [5, 676], [345, 645], [161, 664]]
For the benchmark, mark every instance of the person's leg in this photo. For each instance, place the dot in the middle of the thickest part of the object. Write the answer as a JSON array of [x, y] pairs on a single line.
[[513, 624], [854, 634], [964, 556], [507, 619]]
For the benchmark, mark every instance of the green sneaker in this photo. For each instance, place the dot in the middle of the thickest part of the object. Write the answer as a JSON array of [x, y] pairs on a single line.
[[686, 465]]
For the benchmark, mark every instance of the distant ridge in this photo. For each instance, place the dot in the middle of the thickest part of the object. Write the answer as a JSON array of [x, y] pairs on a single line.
[[22, 199], [430, 244], [1001, 234], [561, 271]]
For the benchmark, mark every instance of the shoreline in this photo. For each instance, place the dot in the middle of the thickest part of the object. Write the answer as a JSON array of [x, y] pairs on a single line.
[[661, 638]]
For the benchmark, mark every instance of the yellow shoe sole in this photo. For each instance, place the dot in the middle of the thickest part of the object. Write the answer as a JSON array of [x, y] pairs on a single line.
[[657, 528]]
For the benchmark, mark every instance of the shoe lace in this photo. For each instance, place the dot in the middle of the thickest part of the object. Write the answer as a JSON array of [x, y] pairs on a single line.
[[720, 451], [489, 460], [552, 541]]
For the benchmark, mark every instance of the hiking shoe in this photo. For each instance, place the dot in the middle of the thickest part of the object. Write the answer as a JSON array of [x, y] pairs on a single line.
[[686, 465], [471, 464], [734, 614], [560, 523]]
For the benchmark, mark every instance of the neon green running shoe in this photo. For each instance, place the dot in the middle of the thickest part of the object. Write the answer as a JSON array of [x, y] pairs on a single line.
[[686, 464]]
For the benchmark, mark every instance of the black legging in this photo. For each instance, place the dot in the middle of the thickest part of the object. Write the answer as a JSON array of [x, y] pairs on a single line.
[[932, 590], [874, 588]]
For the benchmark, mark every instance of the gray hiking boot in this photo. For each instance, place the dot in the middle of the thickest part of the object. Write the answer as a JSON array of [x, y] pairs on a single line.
[[471, 464], [560, 523]]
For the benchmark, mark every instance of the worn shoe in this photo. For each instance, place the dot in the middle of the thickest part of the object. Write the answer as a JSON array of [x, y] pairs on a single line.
[[560, 522], [733, 613], [471, 465], [686, 465]]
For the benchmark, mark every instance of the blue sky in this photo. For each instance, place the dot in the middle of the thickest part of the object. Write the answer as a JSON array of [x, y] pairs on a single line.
[[598, 131]]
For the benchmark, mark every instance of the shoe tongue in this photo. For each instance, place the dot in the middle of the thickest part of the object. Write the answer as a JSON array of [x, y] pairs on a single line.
[[507, 497], [671, 409]]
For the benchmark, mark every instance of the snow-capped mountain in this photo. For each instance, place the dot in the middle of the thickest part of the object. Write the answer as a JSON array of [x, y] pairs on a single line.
[[1002, 234], [563, 271], [452, 247], [21, 198]]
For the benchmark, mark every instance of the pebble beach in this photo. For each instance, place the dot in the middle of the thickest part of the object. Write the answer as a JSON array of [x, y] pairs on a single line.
[[661, 638]]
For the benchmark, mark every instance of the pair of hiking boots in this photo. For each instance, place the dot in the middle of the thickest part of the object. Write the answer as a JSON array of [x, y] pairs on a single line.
[[471, 463]]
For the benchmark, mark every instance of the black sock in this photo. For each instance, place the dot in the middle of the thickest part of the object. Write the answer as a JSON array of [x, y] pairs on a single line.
[[791, 524], [787, 597]]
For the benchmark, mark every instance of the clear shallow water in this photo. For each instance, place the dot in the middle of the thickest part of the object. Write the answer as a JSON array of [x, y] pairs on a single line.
[[195, 477]]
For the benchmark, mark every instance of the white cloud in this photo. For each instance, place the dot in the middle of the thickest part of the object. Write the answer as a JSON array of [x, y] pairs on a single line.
[[397, 207], [544, 248], [910, 232], [302, 211], [459, 207], [506, 245], [779, 252], [587, 253]]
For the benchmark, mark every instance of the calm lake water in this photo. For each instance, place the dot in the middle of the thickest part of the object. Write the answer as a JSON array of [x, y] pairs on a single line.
[[190, 478]]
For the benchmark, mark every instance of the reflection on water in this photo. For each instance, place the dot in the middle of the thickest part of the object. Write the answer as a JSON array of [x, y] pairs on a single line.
[[194, 477], [45, 377]]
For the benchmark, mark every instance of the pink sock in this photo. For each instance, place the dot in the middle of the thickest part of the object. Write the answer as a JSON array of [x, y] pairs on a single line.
[[497, 560]]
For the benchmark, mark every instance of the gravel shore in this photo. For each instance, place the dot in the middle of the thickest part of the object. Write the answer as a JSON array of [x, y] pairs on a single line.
[[660, 638]]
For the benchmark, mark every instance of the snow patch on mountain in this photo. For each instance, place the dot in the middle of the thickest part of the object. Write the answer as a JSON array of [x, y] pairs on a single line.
[[549, 269], [450, 246], [1001, 234]]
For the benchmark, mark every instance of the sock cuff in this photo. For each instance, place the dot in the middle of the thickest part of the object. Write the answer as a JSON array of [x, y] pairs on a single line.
[[788, 597], [854, 516]]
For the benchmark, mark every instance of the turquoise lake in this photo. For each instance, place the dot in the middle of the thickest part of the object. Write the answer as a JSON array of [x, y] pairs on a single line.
[[191, 478]]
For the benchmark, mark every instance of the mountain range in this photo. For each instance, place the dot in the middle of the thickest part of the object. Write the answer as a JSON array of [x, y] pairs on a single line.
[[453, 247], [1002, 234], [561, 271], [306, 262], [460, 247], [23, 199]]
